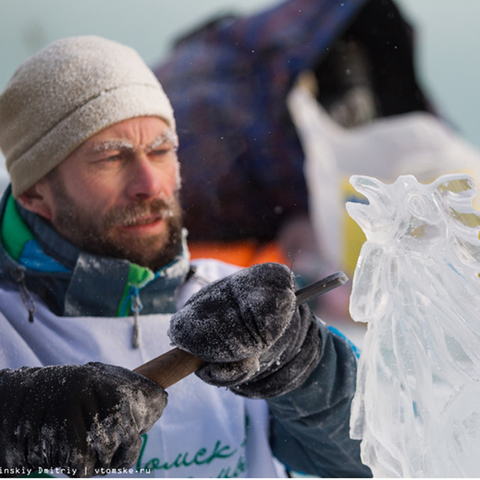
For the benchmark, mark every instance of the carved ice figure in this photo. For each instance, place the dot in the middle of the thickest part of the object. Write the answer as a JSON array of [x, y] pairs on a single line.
[[417, 405]]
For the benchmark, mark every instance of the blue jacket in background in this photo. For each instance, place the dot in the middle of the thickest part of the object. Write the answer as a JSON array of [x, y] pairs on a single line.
[[242, 162]]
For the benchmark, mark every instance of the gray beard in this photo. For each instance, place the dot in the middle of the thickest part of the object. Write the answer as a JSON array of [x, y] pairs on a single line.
[[97, 236]]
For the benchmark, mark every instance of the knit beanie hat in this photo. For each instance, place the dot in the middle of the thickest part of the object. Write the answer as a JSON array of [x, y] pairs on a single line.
[[64, 94]]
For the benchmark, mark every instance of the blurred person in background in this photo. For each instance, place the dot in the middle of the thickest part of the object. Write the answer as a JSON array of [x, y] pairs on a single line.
[[246, 197]]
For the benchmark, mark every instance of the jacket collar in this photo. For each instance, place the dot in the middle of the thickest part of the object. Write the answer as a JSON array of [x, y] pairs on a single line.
[[75, 283]]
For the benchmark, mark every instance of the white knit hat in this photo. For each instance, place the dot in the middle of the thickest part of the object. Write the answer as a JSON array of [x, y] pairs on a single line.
[[67, 92]]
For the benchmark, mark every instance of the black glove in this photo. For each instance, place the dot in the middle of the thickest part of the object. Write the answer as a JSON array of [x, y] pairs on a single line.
[[77, 417], [249, 333]]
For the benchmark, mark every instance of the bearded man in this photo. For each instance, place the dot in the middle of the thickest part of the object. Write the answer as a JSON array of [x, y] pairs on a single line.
[[93, 249]]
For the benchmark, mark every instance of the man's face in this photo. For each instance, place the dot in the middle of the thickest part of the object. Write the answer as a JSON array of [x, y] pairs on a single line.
[[117, 194]]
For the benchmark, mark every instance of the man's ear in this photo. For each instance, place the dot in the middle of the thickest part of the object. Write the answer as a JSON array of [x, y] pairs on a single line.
[[36, 200]]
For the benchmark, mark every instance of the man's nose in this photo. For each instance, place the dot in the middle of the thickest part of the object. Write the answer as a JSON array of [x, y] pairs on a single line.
[[145, 180]]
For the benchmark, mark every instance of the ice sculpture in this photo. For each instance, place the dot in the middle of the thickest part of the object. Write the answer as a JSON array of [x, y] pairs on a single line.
[[417, 405]]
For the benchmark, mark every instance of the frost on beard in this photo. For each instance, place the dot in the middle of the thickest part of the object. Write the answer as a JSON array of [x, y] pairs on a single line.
[[417, 405]]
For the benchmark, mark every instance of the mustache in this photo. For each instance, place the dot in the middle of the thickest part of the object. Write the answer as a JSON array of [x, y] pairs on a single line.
[[134, 213]]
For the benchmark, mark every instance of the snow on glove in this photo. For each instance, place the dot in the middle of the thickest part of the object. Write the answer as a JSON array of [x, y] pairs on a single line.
[[248, 331], [77, 417]]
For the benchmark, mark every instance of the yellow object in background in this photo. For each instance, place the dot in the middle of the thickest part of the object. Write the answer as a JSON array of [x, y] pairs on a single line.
[[352, 237]]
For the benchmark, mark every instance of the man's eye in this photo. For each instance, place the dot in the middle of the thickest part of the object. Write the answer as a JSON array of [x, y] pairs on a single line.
[[112, 158], [160, 152]]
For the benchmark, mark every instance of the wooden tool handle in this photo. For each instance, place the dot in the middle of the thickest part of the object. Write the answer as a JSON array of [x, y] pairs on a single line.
[[176, 364], [170, 367]]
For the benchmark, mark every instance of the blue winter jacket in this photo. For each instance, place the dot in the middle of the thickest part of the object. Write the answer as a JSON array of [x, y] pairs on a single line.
[[228, 82]]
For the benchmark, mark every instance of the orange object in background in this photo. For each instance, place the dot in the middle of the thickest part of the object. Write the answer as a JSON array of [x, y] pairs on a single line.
[[243, 253]]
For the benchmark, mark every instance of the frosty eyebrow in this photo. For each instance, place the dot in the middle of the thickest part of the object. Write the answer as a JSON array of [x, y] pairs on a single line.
[[113, 145], [166, 137]]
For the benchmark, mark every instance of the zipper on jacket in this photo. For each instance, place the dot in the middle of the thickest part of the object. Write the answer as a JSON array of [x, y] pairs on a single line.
[[18, 275], [136, 307]]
